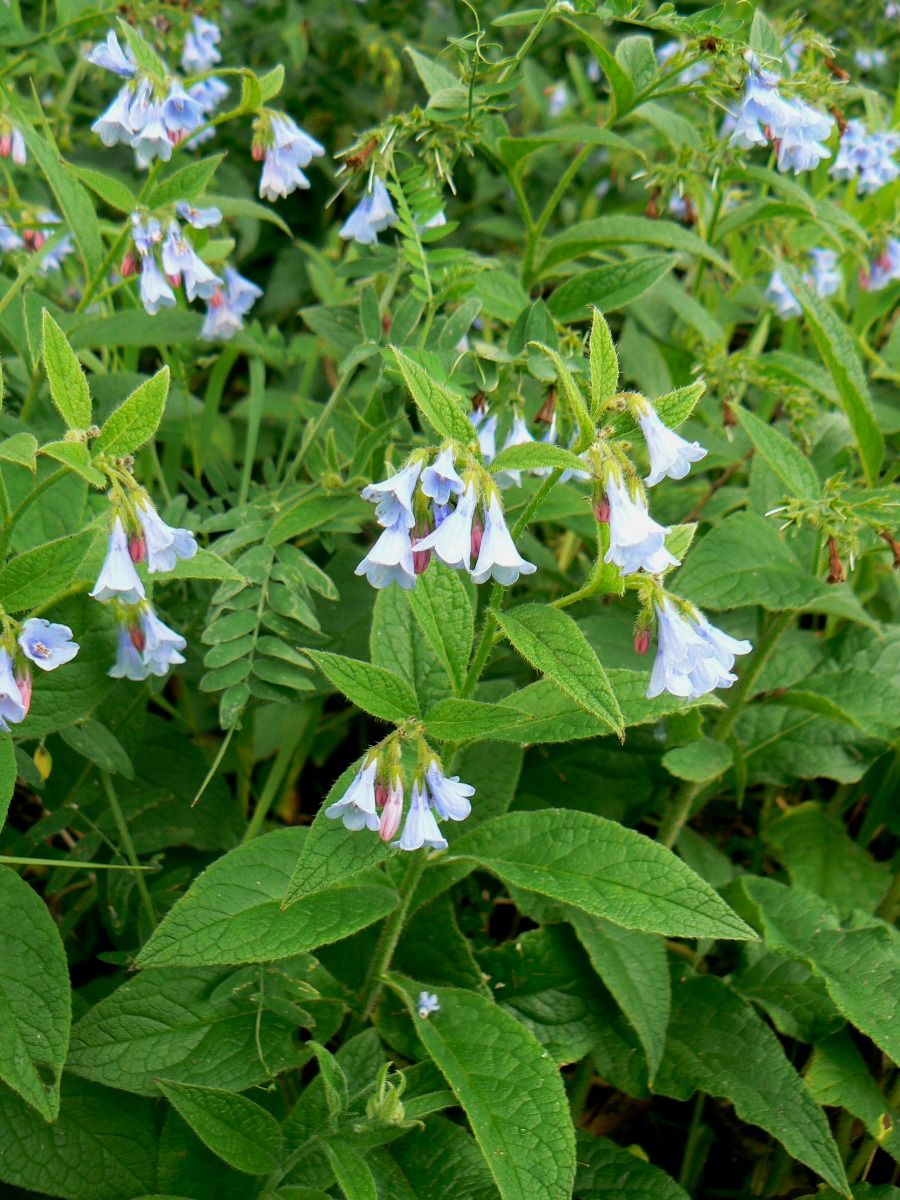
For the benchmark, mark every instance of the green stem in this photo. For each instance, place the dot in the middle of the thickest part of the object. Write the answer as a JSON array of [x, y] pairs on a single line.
[[390, 936], [315, 427], [128, 847], [529, 41], [537, 229], [299, 743], [682, 802]]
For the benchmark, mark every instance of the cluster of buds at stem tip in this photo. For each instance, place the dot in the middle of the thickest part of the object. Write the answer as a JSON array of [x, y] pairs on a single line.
[[375, 798], [138, 534], [44, 644], [430, 508]]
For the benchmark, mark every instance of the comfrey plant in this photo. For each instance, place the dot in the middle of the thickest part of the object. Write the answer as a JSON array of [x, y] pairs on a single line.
[[796, 129]]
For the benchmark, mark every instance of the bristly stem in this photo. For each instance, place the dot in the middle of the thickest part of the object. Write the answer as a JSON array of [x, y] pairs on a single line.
[[390, 935]]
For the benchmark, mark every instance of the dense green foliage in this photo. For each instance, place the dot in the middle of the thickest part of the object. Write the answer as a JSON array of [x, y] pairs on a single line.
[[658, 957]]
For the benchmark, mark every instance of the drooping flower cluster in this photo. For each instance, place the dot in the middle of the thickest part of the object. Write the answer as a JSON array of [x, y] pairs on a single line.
[[796, 129], [146, 646], [12, 143], [375, 798], [434, 509], [885, 267], [43, 643], [693, 656], [823, 278], [152, 114], [866, 157], [37, 229], [372, 215], [284, 149]]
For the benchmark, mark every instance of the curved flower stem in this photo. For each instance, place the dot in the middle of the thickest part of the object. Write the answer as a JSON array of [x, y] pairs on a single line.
[[390, 936], [679, 809]]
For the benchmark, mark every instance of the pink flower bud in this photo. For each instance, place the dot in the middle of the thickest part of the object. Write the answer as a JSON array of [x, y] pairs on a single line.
[[642, 641], [391, 814], [137, 548], [128, 265], [421, 558], [601, 510], [137, 638], [217, 299], [6, 145], [477, 535], [175, 279], [381, 795], [258, 152], [23, 679]]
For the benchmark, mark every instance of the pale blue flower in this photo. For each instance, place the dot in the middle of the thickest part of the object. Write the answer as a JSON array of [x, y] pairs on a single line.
[[498, 557], [420, 828], [452, 540], [449, 797], [227, 306], [558, 100], [165, 544], [293, 142], [693, 656], [373, 214], [200, 51], [390, 560], [357, 808], [199, 218], [427, 1004], [393, 497], [441, 479], [780, 295], [12, 707], [280, 176], [118, 580], [180, 259], [486, 429], [795, 126], [241, 293], [155, 290], [9, 239], [146, 234], [129, 662], [180, 112], [636, 541], [112, 57], [800, 136], [867, 157], [162, 645], [670, 454], [209, 94], [824, 277], [519, 435], [47, 645], [12, 145], [870, 60], [114, 125], [885, 269]]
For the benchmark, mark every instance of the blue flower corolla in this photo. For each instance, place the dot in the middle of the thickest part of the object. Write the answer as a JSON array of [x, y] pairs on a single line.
[[111, 57], [824, 277], [867, 157], [9, 239], [441, 479], [449, 797], [670, 454], [420, 827], [452, 540], [557, 100], [114, 125], [151, 138], [693, 657], [357, 808], [118, 580], [129, 662], [228, 305], [280, 176], [390, 560], [761, 106], [795, 126], [155, 290], [47, 644], [162, 645], [180, 112], [372, 215], [870, 60], [781, 297], [393, 497], [12, 706], [199, 218], [427, 1004], [636, 541], [486, 429], [294, 143], [180, 259], [498, 557], [145, 234], [209, 94], [885, 268], [200, 52], [800, 138], [242, 293], [165, 544], [519, 435]]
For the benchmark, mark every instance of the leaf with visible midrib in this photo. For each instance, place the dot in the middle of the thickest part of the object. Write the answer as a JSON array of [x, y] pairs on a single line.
[[35, 1002], [371, 688], [608, 287], [36, 576], [440, 603], [68, 386], [509, 1088], [604, 869], [794, 469], [240, 1132], [136, 419], [553, 644], [441, 408]]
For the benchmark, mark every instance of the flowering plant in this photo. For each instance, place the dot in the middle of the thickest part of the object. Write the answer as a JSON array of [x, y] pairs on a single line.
[[448, 531]]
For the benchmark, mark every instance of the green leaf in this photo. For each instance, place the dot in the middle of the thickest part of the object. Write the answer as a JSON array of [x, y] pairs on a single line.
[[171, 327], [535, 456], [608, 287], [35, 1002], [397, 646], [8, 773], [201, 1026], [780, 454], [102, 1147], [136, 419], [620, 84], [232, 912], [371, 688], [237, 206], [353, 1176], [440, 603], [604, 364], [68, 386], [187, 183], [552, 643], [470, 720], [441, 408], [699, 761], [110, 189], [610, 1172], [144, 54], [510, 1090], [309, 513], [93, 741], [587, 237], [672, 409], [837, 1075], [603, 869], [633, 966], [838, 352], [20, 449], [574, 401], [434, 76], [204, 565], [719, 1045], [240, 1132], [76, 456], [859, 962], [38, 575]]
